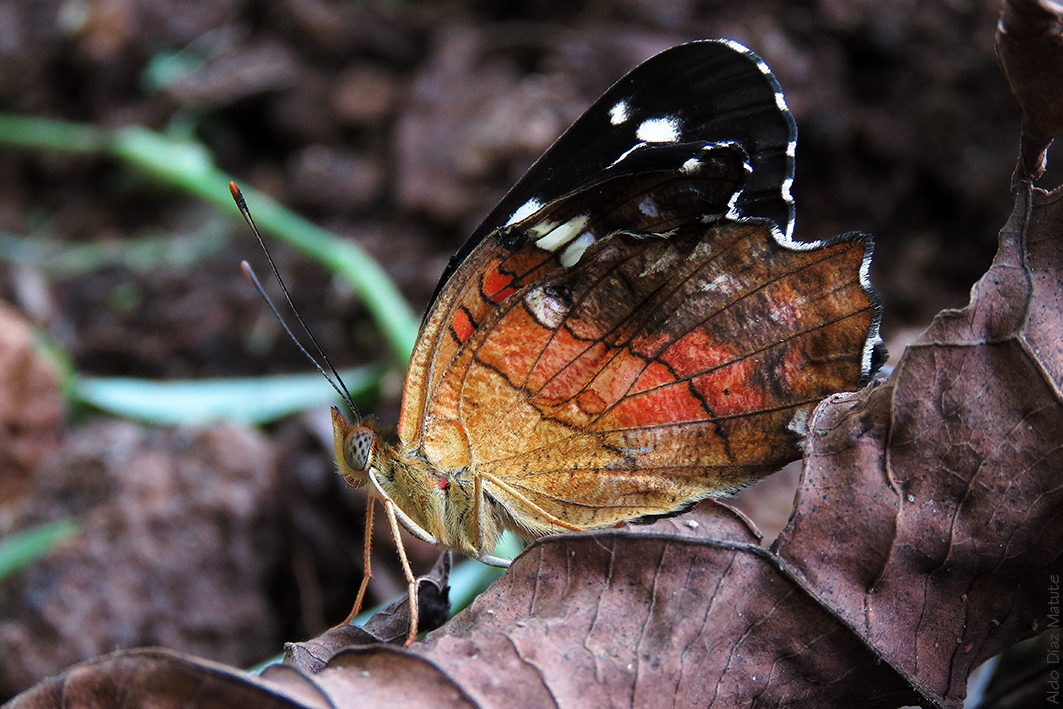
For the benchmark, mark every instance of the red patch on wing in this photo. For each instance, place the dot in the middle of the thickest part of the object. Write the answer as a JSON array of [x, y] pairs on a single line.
[[590, 403], [655, 375], [617, 376], [504, 276], [513, 346], [695, 353], [497, 286], [573, 375], [674, 403], [731, 390], [462, 325]]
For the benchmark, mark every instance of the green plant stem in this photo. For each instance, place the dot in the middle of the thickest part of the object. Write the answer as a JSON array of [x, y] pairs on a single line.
[[188, 165]]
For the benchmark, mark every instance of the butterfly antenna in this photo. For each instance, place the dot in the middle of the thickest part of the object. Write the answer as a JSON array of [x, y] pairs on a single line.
[[335, 380]]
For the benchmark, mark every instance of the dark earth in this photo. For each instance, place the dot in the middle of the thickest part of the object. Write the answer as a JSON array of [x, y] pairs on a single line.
[[397, 125]]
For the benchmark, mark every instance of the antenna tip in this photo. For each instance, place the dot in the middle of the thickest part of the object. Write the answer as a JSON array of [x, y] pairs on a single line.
[[238, 197], [249, 274]]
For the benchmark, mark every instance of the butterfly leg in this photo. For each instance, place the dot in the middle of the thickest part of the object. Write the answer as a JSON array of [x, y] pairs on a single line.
[[389, 508], [478, 497], [495, 561], [366, 564]]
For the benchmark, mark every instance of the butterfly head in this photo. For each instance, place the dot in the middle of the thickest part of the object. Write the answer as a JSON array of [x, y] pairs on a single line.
[[418, 492], [355, 446]]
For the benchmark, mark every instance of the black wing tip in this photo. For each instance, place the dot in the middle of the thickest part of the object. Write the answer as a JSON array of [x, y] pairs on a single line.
[[770, 145]]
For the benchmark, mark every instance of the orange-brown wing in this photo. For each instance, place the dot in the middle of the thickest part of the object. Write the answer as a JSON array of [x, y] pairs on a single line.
[[632, 195], [656, 371]]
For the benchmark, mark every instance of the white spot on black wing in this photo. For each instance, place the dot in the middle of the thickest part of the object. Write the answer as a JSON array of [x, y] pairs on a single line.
[[524, 211], [563, 233], [659, 130], [542, 228], [618, 113], [648, 206]]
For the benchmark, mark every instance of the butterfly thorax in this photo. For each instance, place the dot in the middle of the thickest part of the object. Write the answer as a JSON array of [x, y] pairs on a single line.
[[445, 508], [445, 505]]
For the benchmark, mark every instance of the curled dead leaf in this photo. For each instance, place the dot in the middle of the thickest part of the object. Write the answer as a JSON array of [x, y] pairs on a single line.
[[1030, 50], [947, 476], [159, 678], [390, 625]]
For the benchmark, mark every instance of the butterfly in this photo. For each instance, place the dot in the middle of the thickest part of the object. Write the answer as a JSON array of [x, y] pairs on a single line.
[[631, 330]]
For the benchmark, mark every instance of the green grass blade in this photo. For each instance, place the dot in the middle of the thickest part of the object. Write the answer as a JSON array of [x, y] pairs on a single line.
[[19, 550], [253, 400], [50, 134]]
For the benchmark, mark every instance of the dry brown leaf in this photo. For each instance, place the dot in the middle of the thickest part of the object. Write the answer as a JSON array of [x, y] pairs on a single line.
[[161, 680], [653, 619], [948, 477]]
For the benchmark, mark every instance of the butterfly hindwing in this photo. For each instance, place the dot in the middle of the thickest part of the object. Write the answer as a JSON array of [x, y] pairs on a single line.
[[648, 377]]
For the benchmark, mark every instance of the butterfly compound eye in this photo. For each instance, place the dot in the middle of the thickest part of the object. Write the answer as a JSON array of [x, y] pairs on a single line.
[[358, 448]]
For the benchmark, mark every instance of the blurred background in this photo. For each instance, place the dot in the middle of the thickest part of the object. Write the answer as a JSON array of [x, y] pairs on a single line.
[[395, 125]]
